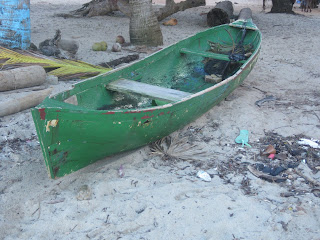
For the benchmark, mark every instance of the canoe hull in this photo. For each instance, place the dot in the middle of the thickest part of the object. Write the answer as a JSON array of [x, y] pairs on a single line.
[[73, 139]]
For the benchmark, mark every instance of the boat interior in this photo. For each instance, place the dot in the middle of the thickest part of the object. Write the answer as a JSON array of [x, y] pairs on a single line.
[[174, 73]]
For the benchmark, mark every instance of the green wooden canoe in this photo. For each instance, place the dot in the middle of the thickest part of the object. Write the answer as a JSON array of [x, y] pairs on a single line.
[[142, 102]]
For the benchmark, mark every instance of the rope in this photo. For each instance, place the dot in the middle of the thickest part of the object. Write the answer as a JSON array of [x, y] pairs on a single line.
[[238, 53]]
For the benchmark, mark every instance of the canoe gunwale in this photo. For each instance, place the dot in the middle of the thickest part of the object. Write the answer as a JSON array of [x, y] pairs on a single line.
[[226, 81]]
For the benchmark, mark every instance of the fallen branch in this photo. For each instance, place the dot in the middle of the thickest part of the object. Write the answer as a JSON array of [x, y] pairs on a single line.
[[59, 200], [119, 61], [266, 177], [307, 178]]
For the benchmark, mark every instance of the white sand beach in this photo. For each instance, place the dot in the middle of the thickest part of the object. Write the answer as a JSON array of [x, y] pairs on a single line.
[[157, 199]]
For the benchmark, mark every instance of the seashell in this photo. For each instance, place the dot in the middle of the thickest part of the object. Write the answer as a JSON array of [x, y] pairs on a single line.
[[204, 176], [269, 150], [116, 47], [120, 39]]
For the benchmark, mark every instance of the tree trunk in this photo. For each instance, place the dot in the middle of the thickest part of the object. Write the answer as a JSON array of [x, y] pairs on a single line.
[[144, 26], [281, 6], [220, 14], [314, 3], [94, 8]]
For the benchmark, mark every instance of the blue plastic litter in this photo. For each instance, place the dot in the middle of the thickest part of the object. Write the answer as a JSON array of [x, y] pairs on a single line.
[[15, 31], [243, 138]]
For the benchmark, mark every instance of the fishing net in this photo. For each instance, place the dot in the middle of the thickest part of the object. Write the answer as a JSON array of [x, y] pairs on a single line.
[[62, 68]]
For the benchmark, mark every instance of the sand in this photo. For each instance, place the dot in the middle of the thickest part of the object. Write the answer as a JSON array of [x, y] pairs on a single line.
[[157, 199]]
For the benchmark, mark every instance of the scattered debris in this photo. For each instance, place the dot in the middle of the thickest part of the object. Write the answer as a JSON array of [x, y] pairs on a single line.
[[171, 22], [273, 171], [243, 138], [141, 209], [119, 61], [204, 176], [268, 98], [121, 172], [269, 150], [290, 152], [271, 156], [312, 143], [316, 192], [58, 200], [84, 193], [264, 176], [173, 149], [245, 186], [287, 194], [142, 49], [213, 78], [307, 178], [116, 47]]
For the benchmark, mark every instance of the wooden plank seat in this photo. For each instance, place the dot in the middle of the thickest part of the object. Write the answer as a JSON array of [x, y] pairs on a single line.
[[208, 54], [147, 90]]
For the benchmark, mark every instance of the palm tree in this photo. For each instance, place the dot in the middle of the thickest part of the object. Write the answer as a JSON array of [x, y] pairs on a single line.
[[144, 26]]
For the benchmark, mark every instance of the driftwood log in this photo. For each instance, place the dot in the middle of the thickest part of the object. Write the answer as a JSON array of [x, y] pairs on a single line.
[[220, 14], [22, 78], [22, 103], [103, 7], [121, 60]]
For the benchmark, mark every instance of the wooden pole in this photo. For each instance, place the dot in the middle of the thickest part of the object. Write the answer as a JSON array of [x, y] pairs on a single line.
[[22, 78], [22, 103]]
